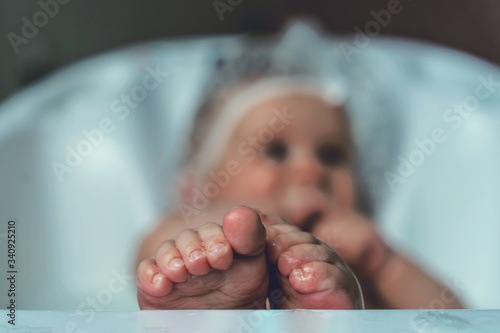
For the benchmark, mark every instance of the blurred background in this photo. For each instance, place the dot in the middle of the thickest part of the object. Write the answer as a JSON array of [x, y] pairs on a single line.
[[82, 28], [65, 66]]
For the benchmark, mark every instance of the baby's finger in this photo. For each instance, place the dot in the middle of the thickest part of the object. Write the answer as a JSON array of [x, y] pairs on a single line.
[[169, 260], [357, 241], [219, 252], [150, 281], [193, 252]]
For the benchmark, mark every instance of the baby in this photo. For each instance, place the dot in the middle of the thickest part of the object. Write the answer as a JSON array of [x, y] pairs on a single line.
[[269, 212]]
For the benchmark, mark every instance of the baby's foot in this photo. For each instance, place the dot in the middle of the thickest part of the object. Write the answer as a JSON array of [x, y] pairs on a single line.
[[212, 267], [308, 273]]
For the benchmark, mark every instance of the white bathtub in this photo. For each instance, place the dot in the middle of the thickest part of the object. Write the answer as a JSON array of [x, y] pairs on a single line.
[[77, 230]]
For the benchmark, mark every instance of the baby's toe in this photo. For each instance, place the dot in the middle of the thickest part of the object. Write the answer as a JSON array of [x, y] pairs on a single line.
[[319, 278], [278, 244], [315, 276], [219, 252], [298, 255], [245, 231], [323, 285], [193, 253], [150, 280], [169, 260]]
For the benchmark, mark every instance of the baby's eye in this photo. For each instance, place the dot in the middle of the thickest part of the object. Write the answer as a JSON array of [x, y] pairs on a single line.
[[276, 150], [330, 155]]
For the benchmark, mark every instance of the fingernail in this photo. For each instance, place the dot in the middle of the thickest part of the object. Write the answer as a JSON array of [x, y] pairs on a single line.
[[175, 263], [157, 278], [195, 255], [218, 249]]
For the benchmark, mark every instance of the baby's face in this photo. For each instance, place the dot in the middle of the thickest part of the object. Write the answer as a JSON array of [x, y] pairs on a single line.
[[293, 158]]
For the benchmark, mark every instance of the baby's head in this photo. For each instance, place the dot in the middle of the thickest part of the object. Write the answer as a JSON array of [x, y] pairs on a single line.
[[280, 144]]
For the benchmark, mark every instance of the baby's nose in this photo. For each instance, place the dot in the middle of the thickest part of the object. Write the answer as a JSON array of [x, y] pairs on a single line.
[[307, 170]]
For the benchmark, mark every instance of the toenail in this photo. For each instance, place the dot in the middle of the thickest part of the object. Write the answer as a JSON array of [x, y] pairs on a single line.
[[196, 254], [290, 258], [157, 278], [175, 263], [299, 274], [218, 249]]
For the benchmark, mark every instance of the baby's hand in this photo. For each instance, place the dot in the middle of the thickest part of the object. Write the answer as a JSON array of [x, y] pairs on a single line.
[[389, 279], [356, 239], [306, 272], [212, 267]]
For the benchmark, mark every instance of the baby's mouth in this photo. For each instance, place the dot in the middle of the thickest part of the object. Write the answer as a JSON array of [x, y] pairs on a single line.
[[304, 208]]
